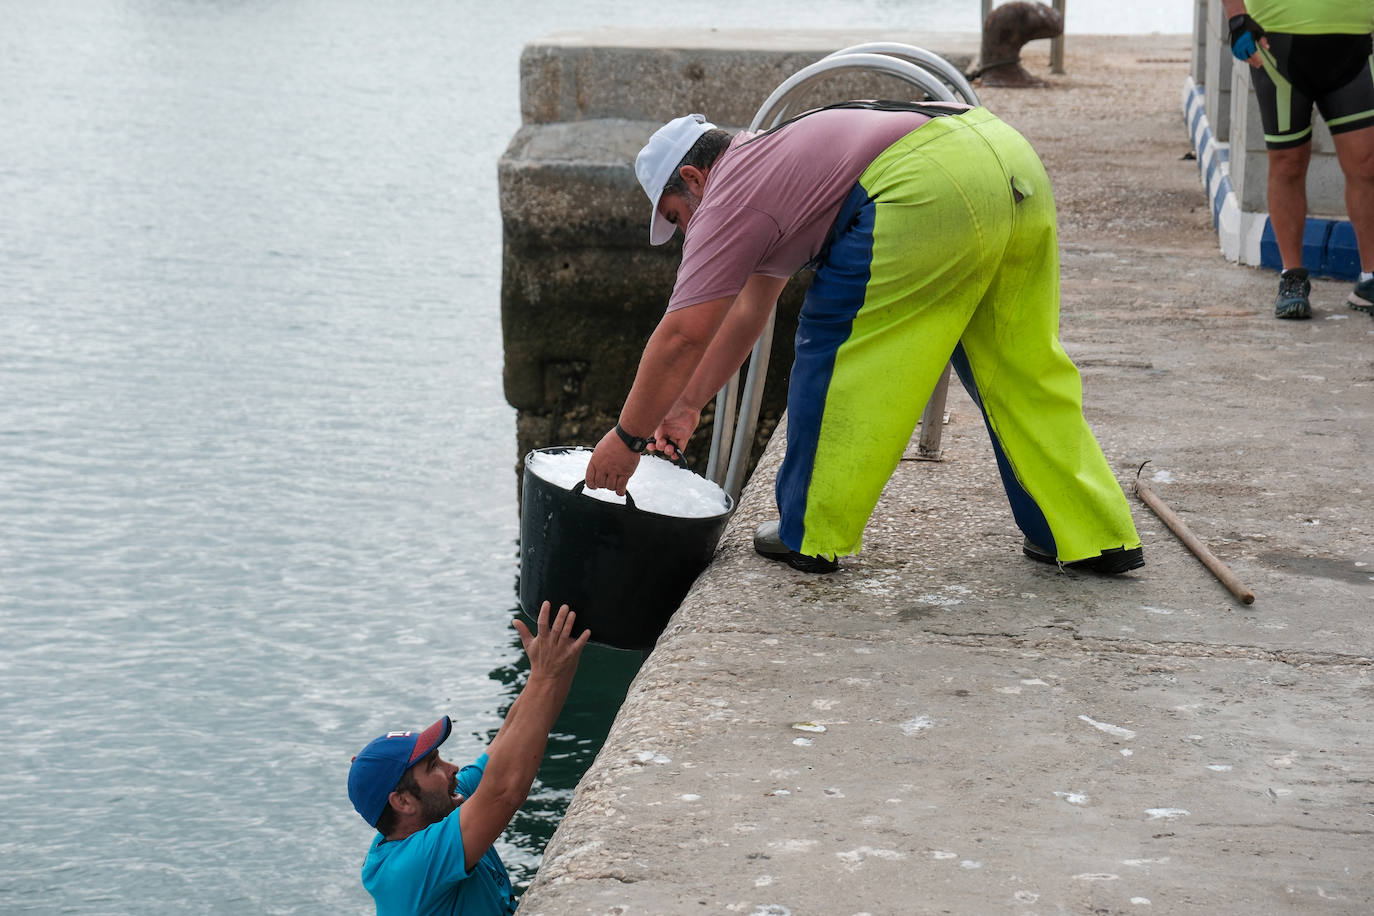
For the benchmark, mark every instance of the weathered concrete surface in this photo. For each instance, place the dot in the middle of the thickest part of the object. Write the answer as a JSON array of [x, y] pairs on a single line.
[[947, 727], [657, 74]]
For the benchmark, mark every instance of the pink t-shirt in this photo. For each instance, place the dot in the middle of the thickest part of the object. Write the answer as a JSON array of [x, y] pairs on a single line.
[[768, 205]]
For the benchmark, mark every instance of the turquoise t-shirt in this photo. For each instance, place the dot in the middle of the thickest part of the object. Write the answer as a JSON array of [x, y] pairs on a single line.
[[424, 874]]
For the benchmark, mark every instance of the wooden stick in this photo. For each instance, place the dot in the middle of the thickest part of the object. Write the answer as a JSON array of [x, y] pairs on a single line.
[[1218, 568]]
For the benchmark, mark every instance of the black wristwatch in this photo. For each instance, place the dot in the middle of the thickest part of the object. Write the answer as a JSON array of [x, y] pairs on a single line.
[[636, 444]]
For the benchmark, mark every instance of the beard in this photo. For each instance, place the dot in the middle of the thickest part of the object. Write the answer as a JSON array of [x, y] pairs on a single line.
[[692, 201], [436, 805]]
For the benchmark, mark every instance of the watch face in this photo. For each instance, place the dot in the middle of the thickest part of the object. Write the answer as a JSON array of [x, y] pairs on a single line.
[[633, 443]]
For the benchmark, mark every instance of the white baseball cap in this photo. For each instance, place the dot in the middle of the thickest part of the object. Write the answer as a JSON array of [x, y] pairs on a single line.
[[659, 158]]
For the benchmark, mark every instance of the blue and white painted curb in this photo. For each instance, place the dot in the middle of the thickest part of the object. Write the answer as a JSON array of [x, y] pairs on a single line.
[[1328, 246], [1238, 232]]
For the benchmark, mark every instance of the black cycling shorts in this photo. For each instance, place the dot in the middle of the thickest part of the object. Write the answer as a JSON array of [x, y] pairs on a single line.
[[1331, 71]]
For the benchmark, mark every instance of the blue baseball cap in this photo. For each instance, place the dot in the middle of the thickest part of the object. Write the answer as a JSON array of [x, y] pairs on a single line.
[[379, 766]]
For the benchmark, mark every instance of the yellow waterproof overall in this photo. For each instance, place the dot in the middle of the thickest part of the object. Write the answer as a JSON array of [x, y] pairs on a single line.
[[945, 250]]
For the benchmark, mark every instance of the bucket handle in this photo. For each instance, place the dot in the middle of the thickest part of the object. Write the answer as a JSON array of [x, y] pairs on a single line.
[[582, 485], [680, 461]]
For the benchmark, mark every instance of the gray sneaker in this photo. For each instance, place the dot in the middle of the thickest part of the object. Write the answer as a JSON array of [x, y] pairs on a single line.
[[1294, 288], [1361, 298]]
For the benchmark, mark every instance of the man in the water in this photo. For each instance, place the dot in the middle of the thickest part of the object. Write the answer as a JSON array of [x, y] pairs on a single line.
[[437, 823]]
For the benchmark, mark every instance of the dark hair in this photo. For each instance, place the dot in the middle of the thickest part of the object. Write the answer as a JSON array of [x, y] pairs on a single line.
[[387, 822], [702, 155]]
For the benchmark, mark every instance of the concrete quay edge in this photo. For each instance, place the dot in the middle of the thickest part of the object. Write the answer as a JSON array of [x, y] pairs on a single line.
[[653, 75], [818, 40], [947, 727]]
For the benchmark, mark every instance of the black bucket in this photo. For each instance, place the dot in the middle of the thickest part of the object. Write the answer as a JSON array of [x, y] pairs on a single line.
[[623, 570]]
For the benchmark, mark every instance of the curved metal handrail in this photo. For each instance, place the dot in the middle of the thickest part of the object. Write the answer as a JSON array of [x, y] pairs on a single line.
[[735, 435], [774, 109], [947, 72]]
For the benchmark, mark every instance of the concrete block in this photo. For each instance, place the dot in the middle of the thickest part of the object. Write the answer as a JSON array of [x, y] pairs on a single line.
[[574, 184], [656, 75], [1342, 254], [1248, 163], [1314, 237], [1315, 233], [592, 306], [1325, 180], [1328, 249], [581, 288], [1201, 47], [1216, 78]]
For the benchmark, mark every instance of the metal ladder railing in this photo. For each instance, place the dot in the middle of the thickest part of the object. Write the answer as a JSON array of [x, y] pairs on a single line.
[[938, 79]]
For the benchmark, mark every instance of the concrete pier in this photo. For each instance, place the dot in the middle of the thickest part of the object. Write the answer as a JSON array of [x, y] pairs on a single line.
[[945, 726]]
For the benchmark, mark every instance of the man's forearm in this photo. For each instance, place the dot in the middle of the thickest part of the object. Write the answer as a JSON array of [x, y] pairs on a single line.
[[738, 333], [670, 359], [513, 760], [514, 755]]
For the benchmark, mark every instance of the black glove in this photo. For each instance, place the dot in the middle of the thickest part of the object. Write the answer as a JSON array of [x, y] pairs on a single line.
[[1245, 36]]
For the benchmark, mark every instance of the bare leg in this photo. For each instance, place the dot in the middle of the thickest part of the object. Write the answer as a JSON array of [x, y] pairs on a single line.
[[1288, 200], [1355, 152]]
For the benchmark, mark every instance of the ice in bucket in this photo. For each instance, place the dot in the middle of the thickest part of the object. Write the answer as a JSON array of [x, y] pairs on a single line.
[[657, 485]]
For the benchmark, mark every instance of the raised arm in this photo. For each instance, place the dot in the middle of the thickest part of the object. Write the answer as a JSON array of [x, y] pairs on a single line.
[[515, 753], [735, 339]]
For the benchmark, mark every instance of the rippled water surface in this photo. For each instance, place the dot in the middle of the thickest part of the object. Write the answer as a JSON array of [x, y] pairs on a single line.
[[257, 502]]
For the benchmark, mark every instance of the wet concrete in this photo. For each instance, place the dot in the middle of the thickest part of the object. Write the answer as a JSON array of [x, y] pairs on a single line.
[[945, 726]]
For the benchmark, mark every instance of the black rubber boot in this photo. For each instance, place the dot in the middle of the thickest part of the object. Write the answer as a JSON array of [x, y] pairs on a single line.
[[1109, 563], [767, 543]]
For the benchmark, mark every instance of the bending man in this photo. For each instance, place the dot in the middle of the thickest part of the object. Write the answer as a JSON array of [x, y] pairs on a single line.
[[436, 823], [932, 229]]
